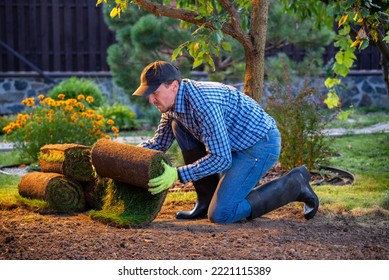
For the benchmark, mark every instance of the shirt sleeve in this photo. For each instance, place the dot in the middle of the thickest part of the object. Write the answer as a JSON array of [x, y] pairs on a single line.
[[163, 136], [215, 138]]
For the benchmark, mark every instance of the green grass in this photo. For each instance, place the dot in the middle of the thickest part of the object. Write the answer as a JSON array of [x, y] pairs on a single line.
[[8, 183], [124, 205], [11, 158], [172, 197], [367, 157], [360, 118], [8, 190]]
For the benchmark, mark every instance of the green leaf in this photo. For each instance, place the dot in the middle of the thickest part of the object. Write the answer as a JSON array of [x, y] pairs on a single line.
[[210, 61], [345, 30], [332, 99], [177, 52], [217, 36], [330, 82], [217, 25], [343, 115], [349, 58], [198, 61], [365, 44], [226, 46], [341, 69], [386, 38]]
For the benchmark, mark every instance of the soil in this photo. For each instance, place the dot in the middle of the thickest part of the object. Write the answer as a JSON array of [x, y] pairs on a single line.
[[281, 234]]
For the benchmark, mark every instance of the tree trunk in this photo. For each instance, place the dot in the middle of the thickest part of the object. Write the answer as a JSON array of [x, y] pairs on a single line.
[[255, 52], [385, 73], [384, 49], [253, 43], [254, 75]]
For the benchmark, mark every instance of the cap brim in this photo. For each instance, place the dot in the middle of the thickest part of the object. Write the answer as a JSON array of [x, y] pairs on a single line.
[[145, 90]]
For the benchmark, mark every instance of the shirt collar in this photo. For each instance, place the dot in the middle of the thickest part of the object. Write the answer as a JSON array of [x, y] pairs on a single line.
[[180, 104]]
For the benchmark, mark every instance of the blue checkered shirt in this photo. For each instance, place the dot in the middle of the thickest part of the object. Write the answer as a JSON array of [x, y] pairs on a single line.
[[219, 116]]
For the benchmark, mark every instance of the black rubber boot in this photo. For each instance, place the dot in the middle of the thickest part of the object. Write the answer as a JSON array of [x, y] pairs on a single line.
[[205, 188], [294, 186]]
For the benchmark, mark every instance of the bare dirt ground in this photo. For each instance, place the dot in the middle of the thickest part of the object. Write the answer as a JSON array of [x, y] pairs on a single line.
[[282, 234]]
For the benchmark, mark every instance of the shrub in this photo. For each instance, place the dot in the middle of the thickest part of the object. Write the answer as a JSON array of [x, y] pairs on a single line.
[[301, 127], [123, 117], [55, 122], [74, 87]]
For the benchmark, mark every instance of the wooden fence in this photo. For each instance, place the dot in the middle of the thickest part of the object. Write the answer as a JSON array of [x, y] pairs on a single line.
[[70, 35], [55, 35]]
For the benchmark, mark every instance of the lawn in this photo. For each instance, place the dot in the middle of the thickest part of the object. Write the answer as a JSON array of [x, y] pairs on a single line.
[[360, 118], [366, 156]]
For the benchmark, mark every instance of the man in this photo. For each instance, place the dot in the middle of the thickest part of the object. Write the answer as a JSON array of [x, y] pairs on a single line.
[[228, 143]]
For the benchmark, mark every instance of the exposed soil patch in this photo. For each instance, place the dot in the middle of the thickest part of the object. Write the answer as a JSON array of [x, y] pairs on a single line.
[[282, 234]]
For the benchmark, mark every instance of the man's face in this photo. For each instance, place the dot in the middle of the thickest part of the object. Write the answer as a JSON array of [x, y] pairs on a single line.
[[164, 97]]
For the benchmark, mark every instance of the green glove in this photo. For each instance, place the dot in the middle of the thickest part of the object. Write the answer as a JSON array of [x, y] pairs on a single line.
[[165, 181]]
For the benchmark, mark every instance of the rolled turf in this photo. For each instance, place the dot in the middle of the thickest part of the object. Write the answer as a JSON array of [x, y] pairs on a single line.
[[126, 163], [95, 192], [125, 205], [126, 170], [71, 160], [61, 193]]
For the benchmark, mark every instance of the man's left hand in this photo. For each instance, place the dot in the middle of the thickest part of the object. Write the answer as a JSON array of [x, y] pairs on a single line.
[[164, 181]]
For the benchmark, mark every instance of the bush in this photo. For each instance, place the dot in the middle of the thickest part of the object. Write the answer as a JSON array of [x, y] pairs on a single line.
[[123, 117], [301, 127], [74, 87], [55, 122]]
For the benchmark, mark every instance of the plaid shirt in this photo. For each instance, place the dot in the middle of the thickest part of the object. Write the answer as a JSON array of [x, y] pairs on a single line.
[[219, 116]]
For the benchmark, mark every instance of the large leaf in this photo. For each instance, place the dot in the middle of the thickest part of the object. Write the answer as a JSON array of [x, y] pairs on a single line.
[[332, 99]]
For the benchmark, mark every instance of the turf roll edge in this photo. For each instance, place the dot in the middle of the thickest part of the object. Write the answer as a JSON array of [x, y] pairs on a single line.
[[71, 160], [126, 163], [61, 193]]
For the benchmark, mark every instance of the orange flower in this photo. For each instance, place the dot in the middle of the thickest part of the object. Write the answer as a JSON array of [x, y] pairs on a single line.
[[110, 122], [89, 99], [61, 96], [29, 102], [71, 101], [81, 97], [80, 105], [41, 96], [74, 118]]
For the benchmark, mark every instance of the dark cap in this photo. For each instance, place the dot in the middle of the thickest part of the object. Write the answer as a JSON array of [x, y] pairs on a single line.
[[154, 74]]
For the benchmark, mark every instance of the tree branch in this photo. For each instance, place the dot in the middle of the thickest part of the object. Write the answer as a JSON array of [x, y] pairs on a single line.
[[382, 46], [193, 17]]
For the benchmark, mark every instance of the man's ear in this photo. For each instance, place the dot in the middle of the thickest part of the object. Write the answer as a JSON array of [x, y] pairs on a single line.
[[175, 84]]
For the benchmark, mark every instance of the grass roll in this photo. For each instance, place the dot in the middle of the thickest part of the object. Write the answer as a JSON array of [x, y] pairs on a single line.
[[71, 160], [125, 205], [61, 193], [126, 163]]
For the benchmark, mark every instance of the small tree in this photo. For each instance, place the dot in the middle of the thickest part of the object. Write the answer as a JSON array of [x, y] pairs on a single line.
[[301, 127], [360, 23], [243, 20]]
